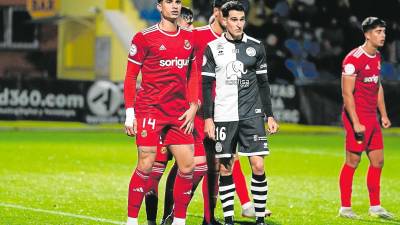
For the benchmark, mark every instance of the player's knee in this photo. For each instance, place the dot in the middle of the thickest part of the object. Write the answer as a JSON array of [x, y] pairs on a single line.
[[145, 166], [378, 164], [225, 167], [353, 162], [258, 167], [186, 167]]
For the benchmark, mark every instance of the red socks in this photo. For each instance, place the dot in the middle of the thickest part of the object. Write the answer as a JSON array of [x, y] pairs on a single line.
[[199, 171], [182, 193], [240, 183], [373, 184], [137, 190], [346, 182]]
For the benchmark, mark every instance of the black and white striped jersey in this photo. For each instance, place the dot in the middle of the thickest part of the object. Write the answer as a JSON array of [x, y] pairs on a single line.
[[236, 67]]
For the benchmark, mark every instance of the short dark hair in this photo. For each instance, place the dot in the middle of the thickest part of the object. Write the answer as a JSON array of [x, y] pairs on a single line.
[[231, 5], [187, 14], [219, 3], [371, 23]]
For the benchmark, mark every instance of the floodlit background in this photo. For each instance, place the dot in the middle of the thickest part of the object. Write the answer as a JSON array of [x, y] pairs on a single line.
[[64, 158]]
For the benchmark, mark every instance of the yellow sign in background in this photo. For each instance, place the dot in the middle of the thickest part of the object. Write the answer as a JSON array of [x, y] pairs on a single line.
[[42, 8]]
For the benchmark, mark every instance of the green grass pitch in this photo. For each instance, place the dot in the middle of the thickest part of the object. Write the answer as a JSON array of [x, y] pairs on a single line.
[[80, 176]]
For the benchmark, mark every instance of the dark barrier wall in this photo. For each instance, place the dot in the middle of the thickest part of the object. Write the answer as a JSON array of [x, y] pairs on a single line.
[[321, 103], [102, 101], [90, 102]]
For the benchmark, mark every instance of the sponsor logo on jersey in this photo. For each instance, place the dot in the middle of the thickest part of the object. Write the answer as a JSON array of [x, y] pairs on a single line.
[[264, 65], [243, 83], [373, 79], [250, 51], [257, 110], [367, 67], [162, 48], [218, 147], [235, 69], [180, 63], [133, 50], [187, 45]]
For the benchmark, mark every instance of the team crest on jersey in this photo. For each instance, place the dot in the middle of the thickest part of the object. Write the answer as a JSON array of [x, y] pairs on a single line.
[[133, 50], [218, 147], [250, 51], [187, 45], [163, 150], [144, 133]]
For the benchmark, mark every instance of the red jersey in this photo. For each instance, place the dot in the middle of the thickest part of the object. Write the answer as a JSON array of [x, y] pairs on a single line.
[[366, 68], [203, 35], [164, 60]]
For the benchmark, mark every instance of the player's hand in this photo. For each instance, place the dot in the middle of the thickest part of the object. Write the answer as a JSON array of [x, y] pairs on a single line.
[[273, 126], [130, 122], [358, 128], [131, 129], [209, 128], [189, 115], [386, 122]]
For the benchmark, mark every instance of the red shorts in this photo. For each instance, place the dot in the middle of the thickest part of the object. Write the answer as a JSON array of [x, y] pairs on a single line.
[[150, 129], [163, 155], [373, 139]]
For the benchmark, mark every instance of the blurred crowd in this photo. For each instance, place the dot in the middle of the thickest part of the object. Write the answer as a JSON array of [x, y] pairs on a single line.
[[306, 40]]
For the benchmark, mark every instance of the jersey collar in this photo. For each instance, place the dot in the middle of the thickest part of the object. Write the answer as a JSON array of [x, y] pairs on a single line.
[[244, 39]]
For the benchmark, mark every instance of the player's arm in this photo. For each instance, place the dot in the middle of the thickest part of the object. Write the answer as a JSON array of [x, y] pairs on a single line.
[[348, 84], [193, 97], [135, 58], [264, 91], [208, 75], [382, 108], [132, 72]]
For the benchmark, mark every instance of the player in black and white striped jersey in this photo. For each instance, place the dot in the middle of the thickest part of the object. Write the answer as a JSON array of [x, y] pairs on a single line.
[[236, 63]]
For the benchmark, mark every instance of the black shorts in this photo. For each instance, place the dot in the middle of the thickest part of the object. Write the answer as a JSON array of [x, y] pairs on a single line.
[[249, 135]]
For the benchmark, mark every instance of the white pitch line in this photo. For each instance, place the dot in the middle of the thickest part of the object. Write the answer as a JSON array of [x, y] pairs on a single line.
[[60, 213]]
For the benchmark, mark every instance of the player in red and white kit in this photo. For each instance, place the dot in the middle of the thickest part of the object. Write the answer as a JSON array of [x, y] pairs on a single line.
[[362, 94], [165, 105]]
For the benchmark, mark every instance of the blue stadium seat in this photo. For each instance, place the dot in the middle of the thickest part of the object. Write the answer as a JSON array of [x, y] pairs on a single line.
[[293, 67], [388, 71], [309, 69], [151, 15], [311, 47], [294, 47]]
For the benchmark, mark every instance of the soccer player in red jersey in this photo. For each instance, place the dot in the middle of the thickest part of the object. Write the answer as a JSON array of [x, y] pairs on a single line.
[[184, 21], [165, 105], [362, 94]]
